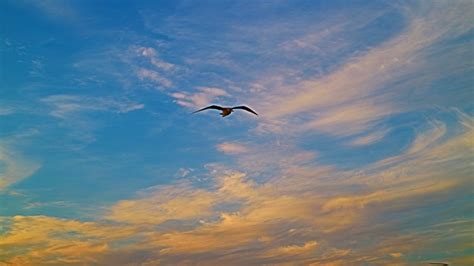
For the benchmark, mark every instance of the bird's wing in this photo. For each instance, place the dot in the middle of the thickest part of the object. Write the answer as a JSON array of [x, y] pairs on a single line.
[[246, 109], [210, 107]]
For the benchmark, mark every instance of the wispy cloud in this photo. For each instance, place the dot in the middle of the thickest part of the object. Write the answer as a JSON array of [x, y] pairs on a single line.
[[155, 69], [201, 98], [352, 98], [14, 166], [232, 148], [277, 202], [54, 236], [370, 138], [5, 110], [65, 106], [154, 76], [288, 219], [181, 221], [164, 204], [152, 55], [293, 250], [75, 113], [430, 137], [56, 10]]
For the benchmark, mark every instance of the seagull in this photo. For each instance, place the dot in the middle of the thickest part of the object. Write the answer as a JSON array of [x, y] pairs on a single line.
[[227, 110]]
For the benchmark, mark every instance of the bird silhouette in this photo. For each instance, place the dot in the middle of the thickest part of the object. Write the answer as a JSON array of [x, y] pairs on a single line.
[[225, 111]]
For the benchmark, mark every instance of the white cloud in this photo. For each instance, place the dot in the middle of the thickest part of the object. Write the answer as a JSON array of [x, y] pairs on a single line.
[[147, 51], [203, 97], [129, 107], [184, 172], [154, 76], [355, 96], [149, 66], [75, 113], [347, 119], [161, 64], [154, 59], [65, 106]]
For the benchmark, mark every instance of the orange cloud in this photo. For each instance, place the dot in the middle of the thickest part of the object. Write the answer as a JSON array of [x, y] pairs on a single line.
[[298, 216], [167, 203], [33, 240], [293, 250]]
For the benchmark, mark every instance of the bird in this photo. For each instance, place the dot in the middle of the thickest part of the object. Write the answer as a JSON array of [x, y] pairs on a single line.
[[225, 111]]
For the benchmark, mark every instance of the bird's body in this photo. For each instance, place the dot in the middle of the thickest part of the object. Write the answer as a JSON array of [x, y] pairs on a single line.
[[225, 111]]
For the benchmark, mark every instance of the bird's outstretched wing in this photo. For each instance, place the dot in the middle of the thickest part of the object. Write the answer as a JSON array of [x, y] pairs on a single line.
[[246, 109], [210, 107]]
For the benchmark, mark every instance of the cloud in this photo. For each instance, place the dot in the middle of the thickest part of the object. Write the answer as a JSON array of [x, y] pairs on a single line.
[[147, 52], [75, 111], [264, 211], [348, 119], [427, 138], [56, 10], [184, 172], [33, 240], [239, 221], [421, 144], [370, 138], [152, 55], [125, 108], [147, 74], [14, 167], [232, 148], [155, 68], [268, 157], [64, 106], [355, 96], [322, 211], [293, 250], [203, 97], [164, 204], [5, 111], [161, 64], [58, 204], [396, 255], [286, 204]]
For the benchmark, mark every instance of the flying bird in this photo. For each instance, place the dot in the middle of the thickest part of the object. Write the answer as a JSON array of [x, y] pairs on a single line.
[[225, 111]]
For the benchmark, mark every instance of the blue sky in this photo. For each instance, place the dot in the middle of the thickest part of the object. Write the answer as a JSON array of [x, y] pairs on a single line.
[[361, 153]]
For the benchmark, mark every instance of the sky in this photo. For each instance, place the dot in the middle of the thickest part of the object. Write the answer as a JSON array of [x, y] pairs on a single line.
[[362, 152]]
